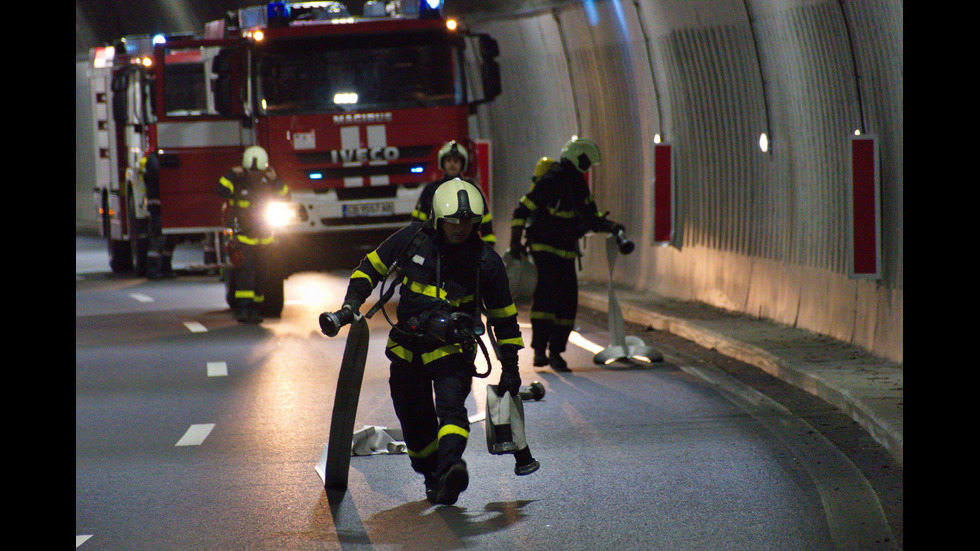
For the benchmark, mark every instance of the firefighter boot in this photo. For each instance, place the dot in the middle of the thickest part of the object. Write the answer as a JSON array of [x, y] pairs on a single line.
[[558, 363], [248, 312], [167, 266], [525, 464], [154, 266], [452, 484], [540, 357], [431, 487]]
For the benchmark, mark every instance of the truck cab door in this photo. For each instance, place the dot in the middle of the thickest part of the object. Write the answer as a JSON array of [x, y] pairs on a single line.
[[200, 135]]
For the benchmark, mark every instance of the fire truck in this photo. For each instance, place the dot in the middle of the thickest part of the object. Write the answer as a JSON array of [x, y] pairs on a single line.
[[352, 111]]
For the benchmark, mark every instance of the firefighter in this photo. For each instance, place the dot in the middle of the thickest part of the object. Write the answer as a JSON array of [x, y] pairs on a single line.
[[160, 252], [448, 275], [453, 160], [557, 211], [249, 188]]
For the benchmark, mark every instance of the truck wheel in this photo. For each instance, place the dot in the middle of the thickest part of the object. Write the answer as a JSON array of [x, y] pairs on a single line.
[[120, 255]]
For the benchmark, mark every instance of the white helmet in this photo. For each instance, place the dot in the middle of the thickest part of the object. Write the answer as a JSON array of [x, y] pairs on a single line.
[[454, 148], [255, 158], [457, 200], [582, 153]]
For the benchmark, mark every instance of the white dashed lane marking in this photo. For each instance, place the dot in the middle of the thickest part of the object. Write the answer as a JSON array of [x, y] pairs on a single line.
[[195, 327], [195, 435], [217, 369]]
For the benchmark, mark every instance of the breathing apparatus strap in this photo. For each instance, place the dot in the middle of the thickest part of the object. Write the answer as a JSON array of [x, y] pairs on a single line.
[[397, 268]]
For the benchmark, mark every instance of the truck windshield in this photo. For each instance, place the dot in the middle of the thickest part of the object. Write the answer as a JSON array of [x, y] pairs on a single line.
[[336, 74]]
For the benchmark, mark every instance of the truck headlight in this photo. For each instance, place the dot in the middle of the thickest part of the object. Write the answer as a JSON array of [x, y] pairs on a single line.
[[279, 214]]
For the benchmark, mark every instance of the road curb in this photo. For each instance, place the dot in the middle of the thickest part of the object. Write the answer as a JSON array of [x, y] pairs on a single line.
[[834, 393]]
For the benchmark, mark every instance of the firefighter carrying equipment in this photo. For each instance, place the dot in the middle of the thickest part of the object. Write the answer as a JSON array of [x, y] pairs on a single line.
[[557, 211], [436, 277]]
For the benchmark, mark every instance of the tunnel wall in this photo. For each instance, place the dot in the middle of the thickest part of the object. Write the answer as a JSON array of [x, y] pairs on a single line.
[[765, 234]]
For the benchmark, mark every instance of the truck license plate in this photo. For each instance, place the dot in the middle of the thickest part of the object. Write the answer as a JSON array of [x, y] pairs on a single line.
[[384, 208]]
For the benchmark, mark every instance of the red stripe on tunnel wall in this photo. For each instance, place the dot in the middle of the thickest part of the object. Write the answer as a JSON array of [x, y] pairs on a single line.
[[663, 215], [864, 207]]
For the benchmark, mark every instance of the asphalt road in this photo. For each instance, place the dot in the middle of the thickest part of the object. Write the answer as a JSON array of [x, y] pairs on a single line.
[[196, 432]]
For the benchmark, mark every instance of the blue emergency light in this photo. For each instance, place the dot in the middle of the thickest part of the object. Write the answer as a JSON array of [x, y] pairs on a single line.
[[430, 8], [277, 14]]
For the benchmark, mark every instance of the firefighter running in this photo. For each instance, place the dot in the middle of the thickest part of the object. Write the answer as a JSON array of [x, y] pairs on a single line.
[[250, 189], [557, 210], [447, 274]]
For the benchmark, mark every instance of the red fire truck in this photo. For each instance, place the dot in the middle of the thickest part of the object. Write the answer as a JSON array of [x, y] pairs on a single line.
[[351, 110]]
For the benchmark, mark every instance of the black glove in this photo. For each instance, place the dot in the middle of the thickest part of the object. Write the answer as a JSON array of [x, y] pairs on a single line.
[[510, 380]]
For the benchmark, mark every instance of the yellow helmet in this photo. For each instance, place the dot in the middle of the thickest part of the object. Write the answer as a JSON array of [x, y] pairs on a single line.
[[582, 153], [255, 158], [544, 163], [457, 200], [454, 148]]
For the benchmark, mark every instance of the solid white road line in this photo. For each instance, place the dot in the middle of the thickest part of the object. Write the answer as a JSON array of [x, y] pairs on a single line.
[[195, 435], [578, 340], [81, 539], [195, 327], [217, 369]]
